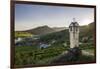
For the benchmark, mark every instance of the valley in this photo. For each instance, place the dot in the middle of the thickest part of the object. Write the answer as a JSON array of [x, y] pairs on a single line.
[[43, 44]]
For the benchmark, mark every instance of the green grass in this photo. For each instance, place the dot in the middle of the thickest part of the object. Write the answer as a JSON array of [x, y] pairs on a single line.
[[90, 50], [33, 55], [22, 34], [25, 48]]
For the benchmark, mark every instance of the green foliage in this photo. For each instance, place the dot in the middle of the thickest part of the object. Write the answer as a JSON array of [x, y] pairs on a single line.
[[30, 55], [87, 46], [61, 36]]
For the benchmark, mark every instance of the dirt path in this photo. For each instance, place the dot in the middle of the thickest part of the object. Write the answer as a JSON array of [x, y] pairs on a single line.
[[83, 52], [87, 53]]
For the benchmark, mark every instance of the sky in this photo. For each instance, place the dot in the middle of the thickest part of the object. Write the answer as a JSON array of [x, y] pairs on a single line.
[[31, 16]]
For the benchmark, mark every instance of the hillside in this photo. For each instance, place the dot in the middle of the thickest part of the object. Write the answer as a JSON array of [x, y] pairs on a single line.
[[59, 28], [61, 33], [40, 30], [61, 36], [86, 34]]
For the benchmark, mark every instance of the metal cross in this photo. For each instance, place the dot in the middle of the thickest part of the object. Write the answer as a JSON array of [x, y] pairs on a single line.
[[74, 20]]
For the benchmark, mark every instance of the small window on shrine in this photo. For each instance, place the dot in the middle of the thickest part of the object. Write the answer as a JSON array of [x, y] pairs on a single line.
[[76, 28], [70, 28]]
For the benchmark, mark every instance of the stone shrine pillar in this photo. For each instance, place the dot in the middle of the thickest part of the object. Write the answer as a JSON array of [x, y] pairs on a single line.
[[74, 52], [74, 34]]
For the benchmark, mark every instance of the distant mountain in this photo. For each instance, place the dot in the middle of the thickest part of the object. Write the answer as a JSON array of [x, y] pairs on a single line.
[[85, 30], [41, 30], [59, 28]]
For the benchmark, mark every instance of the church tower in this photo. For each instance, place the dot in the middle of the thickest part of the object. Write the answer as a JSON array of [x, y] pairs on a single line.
[[74, 34]]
